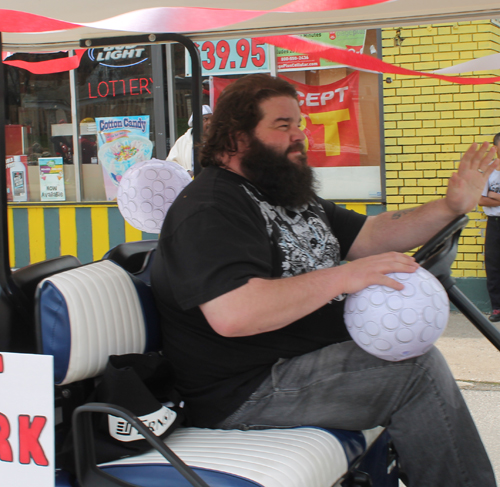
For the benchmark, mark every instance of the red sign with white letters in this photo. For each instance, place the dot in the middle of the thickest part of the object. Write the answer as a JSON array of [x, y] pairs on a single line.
[[26, 420]]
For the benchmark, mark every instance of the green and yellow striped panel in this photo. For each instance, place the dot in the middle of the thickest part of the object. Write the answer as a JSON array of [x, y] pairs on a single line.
[[37, 233]]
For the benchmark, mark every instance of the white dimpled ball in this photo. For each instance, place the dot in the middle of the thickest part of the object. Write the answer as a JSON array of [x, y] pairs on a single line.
[[146, 191], [397, 325]]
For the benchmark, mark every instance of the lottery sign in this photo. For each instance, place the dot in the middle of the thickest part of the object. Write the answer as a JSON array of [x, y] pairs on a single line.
[[234, 56]]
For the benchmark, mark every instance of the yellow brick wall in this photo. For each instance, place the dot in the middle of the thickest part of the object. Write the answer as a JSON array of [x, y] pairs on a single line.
[[430, 123]]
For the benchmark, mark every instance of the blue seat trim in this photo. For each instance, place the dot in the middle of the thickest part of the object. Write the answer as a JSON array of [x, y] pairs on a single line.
[[353, 443], [64, 479], [151, 317], [55, 329], [376, 463], [153, 475]]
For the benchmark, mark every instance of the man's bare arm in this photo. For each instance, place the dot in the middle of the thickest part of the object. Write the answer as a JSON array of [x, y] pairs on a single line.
[[264, 305], [406, 229], [493, 195], [492, 199], [488, 202]]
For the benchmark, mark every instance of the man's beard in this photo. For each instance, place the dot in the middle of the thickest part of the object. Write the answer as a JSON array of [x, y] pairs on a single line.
[[283, 182]]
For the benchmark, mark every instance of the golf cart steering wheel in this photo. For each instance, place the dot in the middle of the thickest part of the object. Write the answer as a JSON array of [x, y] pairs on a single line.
[[440, 251], [436, 256]]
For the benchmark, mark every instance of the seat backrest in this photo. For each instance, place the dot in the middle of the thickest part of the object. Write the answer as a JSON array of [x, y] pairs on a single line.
[[89, 313], [132, 256], [17, 326], [83, 316], [144, 274]]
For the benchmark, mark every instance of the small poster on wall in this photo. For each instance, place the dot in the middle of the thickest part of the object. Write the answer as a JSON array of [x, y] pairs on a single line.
[[121, 142], [51, 179], [17, 178], [352, 40]]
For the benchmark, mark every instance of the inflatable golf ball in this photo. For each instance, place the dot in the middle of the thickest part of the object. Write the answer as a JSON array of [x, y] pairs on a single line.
[[397, 325], [146, 191]]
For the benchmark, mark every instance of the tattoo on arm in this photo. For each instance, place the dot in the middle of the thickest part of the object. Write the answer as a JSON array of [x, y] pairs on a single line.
[[398, 214]]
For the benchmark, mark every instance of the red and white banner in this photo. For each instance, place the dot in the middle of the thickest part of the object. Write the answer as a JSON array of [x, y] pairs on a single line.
[[369, 63], [60, 65], [316, 50], [170, 19], [330, 121]]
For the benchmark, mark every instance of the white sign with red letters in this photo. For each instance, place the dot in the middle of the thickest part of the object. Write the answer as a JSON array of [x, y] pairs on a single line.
[[26, 420]]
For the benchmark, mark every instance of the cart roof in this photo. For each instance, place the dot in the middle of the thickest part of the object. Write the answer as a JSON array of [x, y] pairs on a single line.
[[386, 14]]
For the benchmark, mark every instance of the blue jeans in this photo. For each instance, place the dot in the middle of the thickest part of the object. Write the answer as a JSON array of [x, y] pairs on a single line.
[[341, 386]]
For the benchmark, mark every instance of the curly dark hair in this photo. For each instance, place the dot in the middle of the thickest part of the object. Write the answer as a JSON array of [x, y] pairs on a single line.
[[238, 111]]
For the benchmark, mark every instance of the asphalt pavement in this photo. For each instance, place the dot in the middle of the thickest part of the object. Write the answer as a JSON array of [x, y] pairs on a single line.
[[475, 363]]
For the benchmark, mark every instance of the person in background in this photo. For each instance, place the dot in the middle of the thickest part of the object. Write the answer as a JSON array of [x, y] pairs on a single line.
[[490, 201], [250, 290], [88, 143], [182, 150]]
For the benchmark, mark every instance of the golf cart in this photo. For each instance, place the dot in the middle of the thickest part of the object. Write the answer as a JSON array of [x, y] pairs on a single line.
[[202, 457]]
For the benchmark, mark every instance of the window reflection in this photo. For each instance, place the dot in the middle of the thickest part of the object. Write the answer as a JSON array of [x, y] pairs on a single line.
[[112, 83], [37, 107]]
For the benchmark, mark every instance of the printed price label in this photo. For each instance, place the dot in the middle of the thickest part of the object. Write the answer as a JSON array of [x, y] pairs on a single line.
[[234, 56]]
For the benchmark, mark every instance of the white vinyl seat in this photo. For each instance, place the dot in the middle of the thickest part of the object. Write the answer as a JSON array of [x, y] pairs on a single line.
[[97, 310], [295, 457]]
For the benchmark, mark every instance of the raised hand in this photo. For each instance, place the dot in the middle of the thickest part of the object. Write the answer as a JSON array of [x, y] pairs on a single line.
[[466, 185]]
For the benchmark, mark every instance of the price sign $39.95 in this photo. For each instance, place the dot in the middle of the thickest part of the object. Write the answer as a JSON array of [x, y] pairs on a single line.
[[233, 56]]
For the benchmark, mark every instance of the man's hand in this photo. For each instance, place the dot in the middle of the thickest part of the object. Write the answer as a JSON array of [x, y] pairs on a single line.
[[406, 229], [466, 185], [368, 271]]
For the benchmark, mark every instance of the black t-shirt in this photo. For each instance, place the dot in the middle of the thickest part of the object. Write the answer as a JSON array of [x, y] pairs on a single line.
[[219, 233]]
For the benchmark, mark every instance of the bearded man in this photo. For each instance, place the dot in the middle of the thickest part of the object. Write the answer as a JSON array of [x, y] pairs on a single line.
[[251, 292]]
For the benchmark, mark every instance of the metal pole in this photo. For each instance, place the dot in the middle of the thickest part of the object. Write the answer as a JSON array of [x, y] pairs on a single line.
[[196, 97], [273, 68], [383, 189], [5, 270], [465, 305], [75, 129], [159, 102], [172, 119]]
